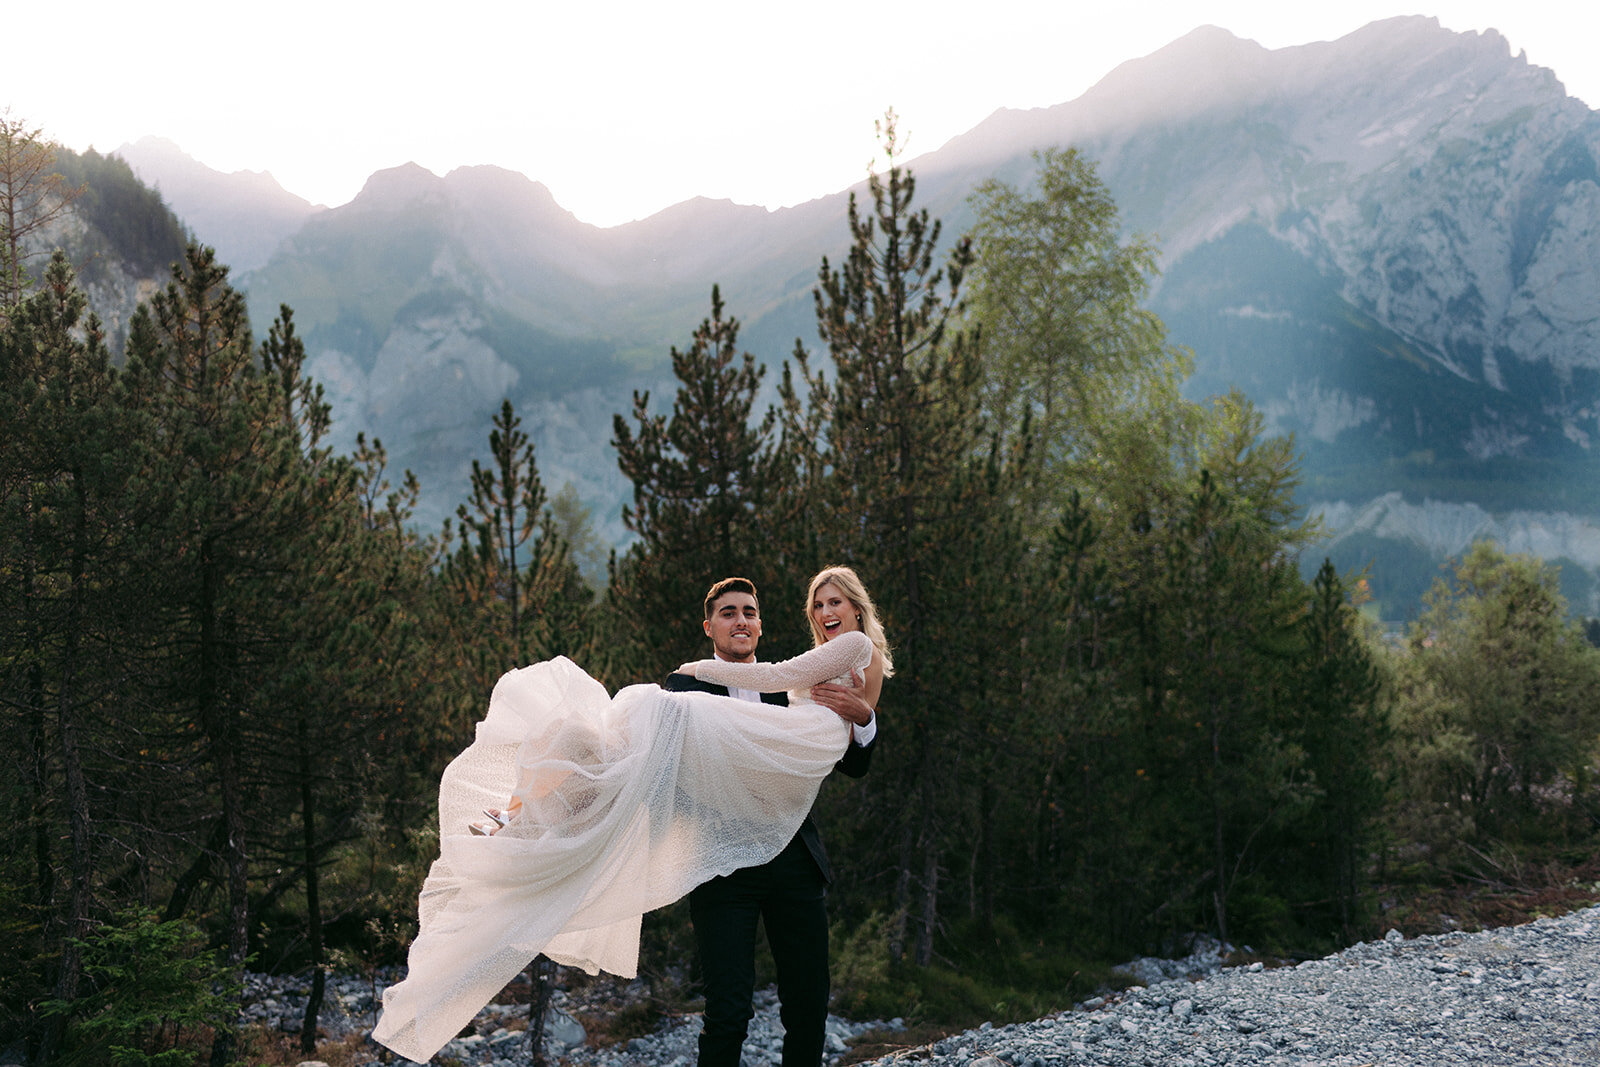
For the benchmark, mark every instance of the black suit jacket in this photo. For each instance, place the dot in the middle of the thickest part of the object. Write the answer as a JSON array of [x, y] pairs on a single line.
[[854, 762]]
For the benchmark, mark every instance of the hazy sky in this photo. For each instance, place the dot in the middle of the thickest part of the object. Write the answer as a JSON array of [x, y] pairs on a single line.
[[624, 108]]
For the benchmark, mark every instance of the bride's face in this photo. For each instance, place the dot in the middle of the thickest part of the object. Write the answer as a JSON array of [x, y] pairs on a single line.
[[832, 612]]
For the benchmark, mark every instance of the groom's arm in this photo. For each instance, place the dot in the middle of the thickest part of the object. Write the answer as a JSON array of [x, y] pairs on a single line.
[[688, 683], [848, 703]]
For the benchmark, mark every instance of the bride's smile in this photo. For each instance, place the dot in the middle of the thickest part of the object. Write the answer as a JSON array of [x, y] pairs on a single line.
[[833, 613]]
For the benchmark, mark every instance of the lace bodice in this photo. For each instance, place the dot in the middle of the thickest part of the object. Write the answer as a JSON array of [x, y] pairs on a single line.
[[829, 662]]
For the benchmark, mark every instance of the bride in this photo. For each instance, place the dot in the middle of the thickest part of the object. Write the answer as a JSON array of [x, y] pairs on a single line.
[[619, 806]]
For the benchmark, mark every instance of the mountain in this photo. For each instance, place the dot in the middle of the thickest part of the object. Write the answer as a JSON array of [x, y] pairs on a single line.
[[1385, 240], [243, 215], [119, 236], [425, 300]]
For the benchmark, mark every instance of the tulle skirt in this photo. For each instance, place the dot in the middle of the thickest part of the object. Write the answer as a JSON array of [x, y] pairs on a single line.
[[627, 804]]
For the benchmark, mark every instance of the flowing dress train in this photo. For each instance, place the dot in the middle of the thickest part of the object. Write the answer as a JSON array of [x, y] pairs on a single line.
[[627, 804]]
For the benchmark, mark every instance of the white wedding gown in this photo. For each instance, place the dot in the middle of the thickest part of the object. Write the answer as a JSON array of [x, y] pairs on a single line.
[[627, 804]]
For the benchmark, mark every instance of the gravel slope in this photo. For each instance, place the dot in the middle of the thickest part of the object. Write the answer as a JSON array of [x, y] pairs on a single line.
[[1515, 996]]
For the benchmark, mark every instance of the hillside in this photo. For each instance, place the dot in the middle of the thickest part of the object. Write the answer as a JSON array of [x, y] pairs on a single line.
[[119, 236]]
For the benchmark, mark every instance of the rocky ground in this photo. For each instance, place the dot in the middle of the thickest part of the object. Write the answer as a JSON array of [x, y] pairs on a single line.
[[1509, 997]]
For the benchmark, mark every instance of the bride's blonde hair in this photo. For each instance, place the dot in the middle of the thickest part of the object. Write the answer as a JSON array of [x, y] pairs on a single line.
[[866, 614]]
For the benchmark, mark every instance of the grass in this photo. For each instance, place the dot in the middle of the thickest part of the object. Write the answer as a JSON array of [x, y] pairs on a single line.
[[1491, 890]]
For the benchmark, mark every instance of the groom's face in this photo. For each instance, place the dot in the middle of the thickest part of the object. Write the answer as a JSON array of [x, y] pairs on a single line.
[[735, 626]]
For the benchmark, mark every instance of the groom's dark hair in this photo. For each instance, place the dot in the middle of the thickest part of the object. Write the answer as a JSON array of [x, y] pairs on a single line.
[[730, 585]]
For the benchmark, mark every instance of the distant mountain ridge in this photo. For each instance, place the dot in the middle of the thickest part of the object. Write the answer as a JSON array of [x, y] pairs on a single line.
[[243, 214], [1386, 240]]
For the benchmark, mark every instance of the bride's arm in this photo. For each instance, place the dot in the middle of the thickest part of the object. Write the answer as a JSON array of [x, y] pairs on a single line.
[[847, 652]]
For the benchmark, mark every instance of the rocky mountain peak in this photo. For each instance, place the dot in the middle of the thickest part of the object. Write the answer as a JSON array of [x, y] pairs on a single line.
[[507, 190], [398, 187], [1206, 69]]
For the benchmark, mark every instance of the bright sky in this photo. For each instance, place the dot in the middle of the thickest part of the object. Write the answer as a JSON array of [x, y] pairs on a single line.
[[624, 108]]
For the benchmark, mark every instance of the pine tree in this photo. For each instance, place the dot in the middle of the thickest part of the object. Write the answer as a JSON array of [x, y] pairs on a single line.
[[908, 487], [228, 487], [517, 595], [705, 481], [32, 196], [1220, 616], [62, 465], [1343, 728], [341, 678]]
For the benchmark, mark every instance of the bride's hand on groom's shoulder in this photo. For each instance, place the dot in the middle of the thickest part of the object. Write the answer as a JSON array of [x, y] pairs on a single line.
[[687, 668]]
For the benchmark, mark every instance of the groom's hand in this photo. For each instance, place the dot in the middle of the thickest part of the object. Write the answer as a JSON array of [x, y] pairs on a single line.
[[843, 701]]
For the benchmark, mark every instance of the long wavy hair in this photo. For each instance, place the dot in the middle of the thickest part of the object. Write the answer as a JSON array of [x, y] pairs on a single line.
[[855, 591]]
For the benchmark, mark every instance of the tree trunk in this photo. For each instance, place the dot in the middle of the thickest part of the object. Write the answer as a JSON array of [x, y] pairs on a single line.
[[902, 897], [69, 969], [1219, 892], [222, 738], [308, 823], [541, 974], [929, 918]]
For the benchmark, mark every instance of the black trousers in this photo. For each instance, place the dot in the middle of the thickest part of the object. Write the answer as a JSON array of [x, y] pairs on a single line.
[[790, 897]]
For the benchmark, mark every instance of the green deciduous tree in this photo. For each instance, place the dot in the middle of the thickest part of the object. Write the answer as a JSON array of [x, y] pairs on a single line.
[[1499, 698], [1071, 356]]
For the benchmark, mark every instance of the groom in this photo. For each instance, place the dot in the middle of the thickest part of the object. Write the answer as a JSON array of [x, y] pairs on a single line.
[[789, 893]]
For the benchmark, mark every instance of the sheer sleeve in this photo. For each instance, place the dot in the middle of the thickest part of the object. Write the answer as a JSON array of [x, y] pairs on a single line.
[[837, 658]]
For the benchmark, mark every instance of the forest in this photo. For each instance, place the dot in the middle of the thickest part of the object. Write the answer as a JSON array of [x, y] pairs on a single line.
[[232, 669]]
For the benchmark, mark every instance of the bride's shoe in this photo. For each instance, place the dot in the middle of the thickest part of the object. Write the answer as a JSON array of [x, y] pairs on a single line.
[[498, 818]]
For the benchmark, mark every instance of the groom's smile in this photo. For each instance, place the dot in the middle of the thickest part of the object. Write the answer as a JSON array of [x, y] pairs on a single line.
[[735, 626]]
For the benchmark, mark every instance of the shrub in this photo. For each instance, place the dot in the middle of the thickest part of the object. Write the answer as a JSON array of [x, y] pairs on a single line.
[[147, 983]]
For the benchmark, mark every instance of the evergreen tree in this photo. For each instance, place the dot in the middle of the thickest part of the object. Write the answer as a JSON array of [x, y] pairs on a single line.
[[1231, 599], [237, 507], [909, 485], [62, 464], [1343, 728], [32, 197], [704, 492], [516, 595], [343, 673]]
